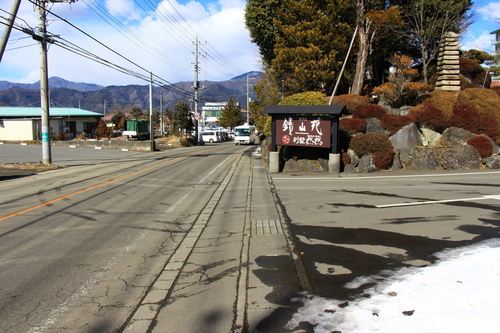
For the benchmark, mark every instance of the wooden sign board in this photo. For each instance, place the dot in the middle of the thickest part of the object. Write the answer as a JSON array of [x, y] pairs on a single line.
[[304, 131]]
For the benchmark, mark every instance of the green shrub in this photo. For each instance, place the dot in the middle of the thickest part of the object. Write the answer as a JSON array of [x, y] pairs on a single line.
[[370, 143], [394, 122], [369, 111], [351, 101], [482, 144], [306, 98], [429, 116], [352, 125], [469, 118]]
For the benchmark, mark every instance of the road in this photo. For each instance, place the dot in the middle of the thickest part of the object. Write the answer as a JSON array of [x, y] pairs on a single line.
[[202, 239], [97, 246], [359, 225]]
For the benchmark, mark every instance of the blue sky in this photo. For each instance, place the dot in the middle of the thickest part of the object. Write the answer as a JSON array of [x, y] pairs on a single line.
[[478, 35], [161, 41], [157, 39]]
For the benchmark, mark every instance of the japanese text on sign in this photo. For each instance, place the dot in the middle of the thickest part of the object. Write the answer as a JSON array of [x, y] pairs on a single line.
[[303, 131]]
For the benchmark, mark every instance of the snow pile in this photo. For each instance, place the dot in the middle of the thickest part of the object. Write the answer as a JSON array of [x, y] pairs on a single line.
[[460, 293]]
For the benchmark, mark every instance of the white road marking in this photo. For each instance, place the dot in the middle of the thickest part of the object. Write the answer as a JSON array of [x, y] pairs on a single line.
[[360, 177], [484, 197]]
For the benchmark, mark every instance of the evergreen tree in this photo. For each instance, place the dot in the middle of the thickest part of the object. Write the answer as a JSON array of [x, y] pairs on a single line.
[[267, 91], [117, 118], [136, 113], [259, 19], [182, 117], [230, 116]]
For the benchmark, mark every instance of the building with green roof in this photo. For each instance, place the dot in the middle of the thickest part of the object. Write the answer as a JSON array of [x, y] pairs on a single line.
[[24, 123]]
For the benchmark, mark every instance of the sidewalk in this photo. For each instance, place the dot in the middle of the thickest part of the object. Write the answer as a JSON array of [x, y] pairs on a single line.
[[273, 280]]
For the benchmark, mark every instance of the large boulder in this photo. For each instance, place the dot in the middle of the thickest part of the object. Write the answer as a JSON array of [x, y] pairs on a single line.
[[373, 126], [423, 159], [430, 138], [405, 140], [455, 136], [366, 163], [493, 162], [460, 157]]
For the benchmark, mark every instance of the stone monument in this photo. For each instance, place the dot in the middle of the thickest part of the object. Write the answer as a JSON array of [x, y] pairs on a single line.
[[449, 63]]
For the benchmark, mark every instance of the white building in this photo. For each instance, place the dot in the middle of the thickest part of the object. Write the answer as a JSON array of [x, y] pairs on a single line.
[[212, 111], [24, 123]]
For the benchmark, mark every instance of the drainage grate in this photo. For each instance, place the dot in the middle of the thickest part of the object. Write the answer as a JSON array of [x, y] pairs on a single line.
[[266, 227]]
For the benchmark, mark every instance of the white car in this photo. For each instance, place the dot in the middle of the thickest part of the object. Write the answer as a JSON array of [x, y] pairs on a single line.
[[210, 136]]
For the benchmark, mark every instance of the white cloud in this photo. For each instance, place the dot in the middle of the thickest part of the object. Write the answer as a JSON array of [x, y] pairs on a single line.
[[491, 11], [482, 42], [165, 48], [123, 8]]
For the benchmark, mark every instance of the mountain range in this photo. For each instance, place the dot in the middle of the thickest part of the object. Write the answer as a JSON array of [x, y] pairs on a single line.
[[110, 99]]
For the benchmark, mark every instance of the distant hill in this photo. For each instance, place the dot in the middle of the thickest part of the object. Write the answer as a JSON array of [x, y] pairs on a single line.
[[110, 99], [54, 82]]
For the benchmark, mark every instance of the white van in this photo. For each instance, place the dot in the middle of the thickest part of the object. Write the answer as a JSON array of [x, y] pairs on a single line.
[[210, 136], [245, 134]]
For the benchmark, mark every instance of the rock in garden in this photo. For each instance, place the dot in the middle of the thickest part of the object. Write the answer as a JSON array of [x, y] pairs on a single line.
[[460, 157], [423, 159], [455, 136]]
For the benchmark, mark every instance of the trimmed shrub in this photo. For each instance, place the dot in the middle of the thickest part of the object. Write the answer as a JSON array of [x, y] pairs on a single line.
[[469, 118], [383, 159], [482, 144], [351, 101], [346, 159], [369, 111], [352, 125], [306, 98], [429, 116], [472, 74], [370, 143], [394, 122], [484, 100]]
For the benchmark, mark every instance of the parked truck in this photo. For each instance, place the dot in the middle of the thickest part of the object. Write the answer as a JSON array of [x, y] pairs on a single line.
[[245, 134], [137, 129]]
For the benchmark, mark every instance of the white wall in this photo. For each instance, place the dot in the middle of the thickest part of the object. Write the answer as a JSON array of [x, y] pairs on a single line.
[[17, 129]]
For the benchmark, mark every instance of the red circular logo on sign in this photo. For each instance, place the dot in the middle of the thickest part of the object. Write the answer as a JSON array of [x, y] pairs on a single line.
[[286, 139]]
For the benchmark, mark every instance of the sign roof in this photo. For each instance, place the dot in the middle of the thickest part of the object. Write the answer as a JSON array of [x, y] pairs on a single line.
[[306, 109]]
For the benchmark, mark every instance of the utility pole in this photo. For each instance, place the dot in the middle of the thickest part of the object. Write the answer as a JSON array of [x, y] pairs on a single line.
[[161, 113], [8, 28], [44, 83], [44, 77], [196, 86], [151, 134], [105, 104], [248, 101]]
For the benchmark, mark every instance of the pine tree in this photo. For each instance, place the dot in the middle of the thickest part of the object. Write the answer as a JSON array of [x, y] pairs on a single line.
[[182, 117], [231, 115]]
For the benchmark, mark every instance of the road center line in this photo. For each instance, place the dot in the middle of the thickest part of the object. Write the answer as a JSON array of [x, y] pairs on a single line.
[[100, 185]]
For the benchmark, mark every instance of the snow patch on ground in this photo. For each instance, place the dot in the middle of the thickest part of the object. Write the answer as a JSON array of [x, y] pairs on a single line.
[[459, 293]]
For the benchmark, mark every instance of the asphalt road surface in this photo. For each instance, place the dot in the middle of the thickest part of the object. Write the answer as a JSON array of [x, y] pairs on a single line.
[[360, 225], [200, 239], [83, 248]]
